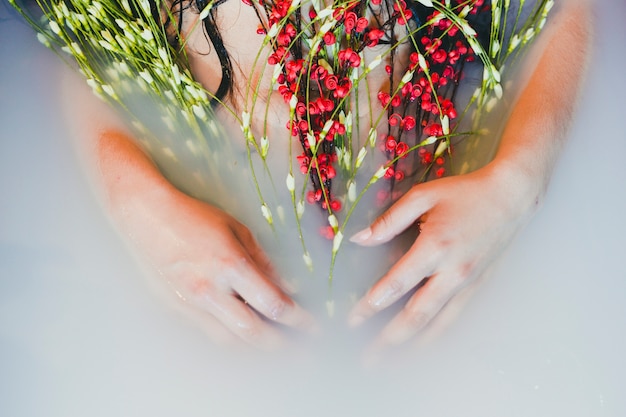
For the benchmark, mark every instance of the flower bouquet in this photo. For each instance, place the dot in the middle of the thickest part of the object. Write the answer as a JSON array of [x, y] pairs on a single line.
[[375, 79]]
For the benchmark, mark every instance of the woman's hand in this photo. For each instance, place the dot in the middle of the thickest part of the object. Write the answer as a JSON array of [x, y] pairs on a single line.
[[210, 260], [216, 267], [465, 222]]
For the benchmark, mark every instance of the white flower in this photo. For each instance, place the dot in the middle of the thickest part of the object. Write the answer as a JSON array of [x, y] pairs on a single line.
[[54, 26], [278, 69], [495, 73], [491, 104], [307, 260], [291, 182], [163, 54], [422, 62], [351, 190], [199, 111], [280, 210], [265, 210], [529, 34], [328, 11], [427, 3], [515, 40], [445, 125], [147, 35], [265, 144], [495, 47], [327, 26], [122, 24], [467, 29], [95, 86], [441, 148], [347, 156], [360, 157], [408, 76], [380, 173], [109, 90], [273, 31], [332, 221], [300, 209], [330, 308], [42, 38], [337, 241], [176, 75], [375, 62], [294, 5], [293, 102], [106, 45], [311, 139], [498, 90], [245, 121], [371, 136], [146, 76]]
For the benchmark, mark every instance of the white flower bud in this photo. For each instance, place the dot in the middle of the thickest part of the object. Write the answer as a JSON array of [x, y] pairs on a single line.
[[332, 221], [380, 173], [498, 90], [408, 76], [291, 182], [330, 308], [273, 31], [300, 209], [307, 260], [54, 26], [199, 111], [445, 125], [371, 137], [265, 210], [360, 157], [311, 139], [146, 76], [375, 62], [337, 241], [351, 191]]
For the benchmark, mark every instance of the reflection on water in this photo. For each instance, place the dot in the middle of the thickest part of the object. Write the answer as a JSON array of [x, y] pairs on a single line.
[[81, 334]]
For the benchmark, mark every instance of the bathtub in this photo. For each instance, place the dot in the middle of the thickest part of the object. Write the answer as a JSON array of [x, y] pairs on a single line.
[[81, 335]]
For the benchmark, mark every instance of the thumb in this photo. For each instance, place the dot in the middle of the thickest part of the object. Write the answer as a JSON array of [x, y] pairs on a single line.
[[395, 220]]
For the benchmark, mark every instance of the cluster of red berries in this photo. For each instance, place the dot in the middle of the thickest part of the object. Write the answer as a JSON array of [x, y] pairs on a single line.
[[317, 86]]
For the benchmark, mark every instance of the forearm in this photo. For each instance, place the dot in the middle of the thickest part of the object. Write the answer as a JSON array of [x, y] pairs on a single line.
[[127, 182], [536, 129]]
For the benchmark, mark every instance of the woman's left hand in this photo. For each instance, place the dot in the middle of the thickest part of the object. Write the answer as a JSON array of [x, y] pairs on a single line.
[[465, 223]]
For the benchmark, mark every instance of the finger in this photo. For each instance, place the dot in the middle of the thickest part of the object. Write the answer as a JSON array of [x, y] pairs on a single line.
[[417, 264], [212, 327], [420, 310], [260, 258], [396, 219], [241, 320], [268, 299]]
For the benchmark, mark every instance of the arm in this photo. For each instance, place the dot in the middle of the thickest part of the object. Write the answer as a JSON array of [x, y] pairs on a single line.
[[458, 239], [209, 259]]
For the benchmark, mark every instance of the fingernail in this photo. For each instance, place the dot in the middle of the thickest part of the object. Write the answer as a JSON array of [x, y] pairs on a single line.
[[355, 320], [361, 236], [288, 286]]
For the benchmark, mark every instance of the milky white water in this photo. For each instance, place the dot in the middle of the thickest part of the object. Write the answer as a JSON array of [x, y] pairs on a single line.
[[82, 333]]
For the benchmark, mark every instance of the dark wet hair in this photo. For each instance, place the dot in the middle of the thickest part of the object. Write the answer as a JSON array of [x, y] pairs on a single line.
[[178, 8]]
